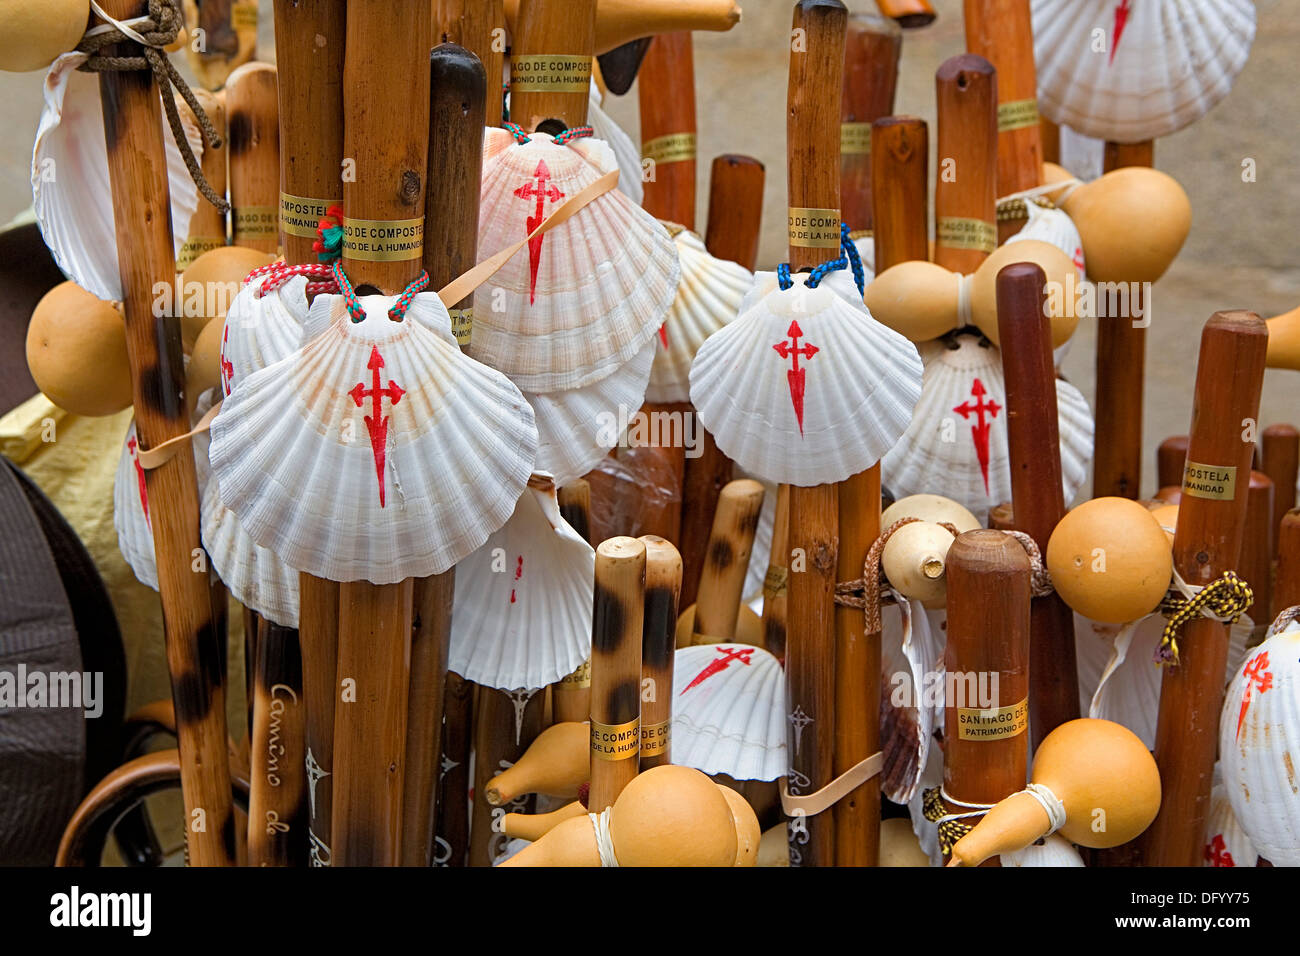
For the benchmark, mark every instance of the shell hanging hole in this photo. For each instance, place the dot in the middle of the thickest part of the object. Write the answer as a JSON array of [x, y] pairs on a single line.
[[552, 127]]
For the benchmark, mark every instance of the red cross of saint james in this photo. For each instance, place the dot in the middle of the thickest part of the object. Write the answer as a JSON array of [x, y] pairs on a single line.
[[377, 421], [519, 573], [725, 656], [227, 369], [540, 188], [134, 448], [1216, 852], [795, 375], [1122, 12], [980, 428], [1259, 679]]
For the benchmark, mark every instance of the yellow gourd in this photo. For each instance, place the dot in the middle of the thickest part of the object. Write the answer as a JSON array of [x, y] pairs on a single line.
[[33, 35], [1284, 340], [76, 351], [211, 283], [557, 763], [774, 847], [748, 832], [534, 826], [204, 370], [934, 508]]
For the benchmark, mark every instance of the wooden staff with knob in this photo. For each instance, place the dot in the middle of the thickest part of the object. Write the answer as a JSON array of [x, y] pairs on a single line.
[[899, 156], [986, 744], [389, 145], [1255, 565], [663, 581], [1287, 592], [571, 697], [813, 162], [1280, 448], [146, 256], [871, 51], [1037, 496], [621, 21], [966, 187], [480, 27], [253, 106], [715, 617], [550, 62], [616, 629], [208, 224], [1211, 516], [451, 843], [1171, 456], [277, 803]]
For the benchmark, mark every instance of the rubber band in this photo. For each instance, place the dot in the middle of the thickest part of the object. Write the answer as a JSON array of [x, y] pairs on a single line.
[[964, 286], [604, 841], [160, 454], [809, 805], [124, 26]]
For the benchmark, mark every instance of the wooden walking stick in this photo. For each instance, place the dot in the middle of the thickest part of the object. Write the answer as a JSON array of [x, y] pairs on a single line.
[[1255, 565], [899, 155], [208, 224], [550, 62], [253, 105], [813, 163], [277, 803], [1211, 516], [146, 256], [616, 632], [386, 133], [505, 723], [480, 27], [1171, 456], [720, 615], [571, 697], [966, 188], [1281, 453], [663, 581], [1038, 500], [871, 51], [309, 56], [622, 21], [451, 842], [776, 583], [1287, 593], [986, 747], [1001, 31]]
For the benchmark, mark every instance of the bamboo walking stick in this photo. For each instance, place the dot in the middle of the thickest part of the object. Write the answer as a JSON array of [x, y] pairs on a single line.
[[715, 615], [277, 802], [1211, 516], [309, 57], [480, 27], [813, 164], [663, 581], [208, 224], [776, 583], [386, 133], [146, 256], [1281, 453], [1038, 500], [1287, 592], [966, 188], [253, 105], [899, 155], [618, 616], [872, 49], [571, 697]]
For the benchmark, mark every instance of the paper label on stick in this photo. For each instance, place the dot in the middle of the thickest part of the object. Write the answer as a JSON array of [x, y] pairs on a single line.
[[655, 738], [579, 679], [954, 232], [300, 215], [775, 581], [557, 73], [462, 326], [194, 247], [1017, 115], [381, 240], [255, 222], [615, 741], [814, 228], [996, 723], [1216, 482], [673, 148], [855, 139]]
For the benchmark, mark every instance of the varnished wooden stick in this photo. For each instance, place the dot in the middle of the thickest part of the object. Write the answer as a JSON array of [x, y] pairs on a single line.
[[451, 844], [1255, 565], [727, 562], [1280, 447], [966, 186], [1050, 136], [1033, 437], [254, 126], [277, 805], [986, 744], [138, 181], [571, 697], [776, 582], [1211, 517], [622, 21], [505, 722], [480, 27], [617, 619], [390, 146], [1287, 592], [1171, 455], [208, 224], [550, 61], [899, 155], [663, 580], [871, 51]]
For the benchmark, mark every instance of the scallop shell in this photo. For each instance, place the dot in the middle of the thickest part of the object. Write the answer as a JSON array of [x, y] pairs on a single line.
[[866, 246], [1055, 227], [626, 153], [70, 184], [941, 451], [315, 475], [582, 299], [805, 387], [260, 330], [1055, 850], [524, 599], [708, 298], [1226, 843], [911, 702], [1163, 65], [1259, 740], [729, 711]]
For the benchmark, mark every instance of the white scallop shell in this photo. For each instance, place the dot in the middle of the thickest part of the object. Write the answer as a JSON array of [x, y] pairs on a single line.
[[315, 476], [1055, 850], [261, 330], [70, 184], [1163, 63], [1056, 228], [851, 402], [708, 298], [939, 453], [604, 280], [729, 711], [1259, 741], [912, 699], [1226, 843], [866, 246], [626, 152], [524, 600]]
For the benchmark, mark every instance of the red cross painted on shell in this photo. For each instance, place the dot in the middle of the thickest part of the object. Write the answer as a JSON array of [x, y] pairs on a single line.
[[133, 447], [1122, 12], [725, 656], [519, 573], [541, 189], [795, 375], [227, 369], [1216, 852], [377, 421], [980, 428], [1258, 679]]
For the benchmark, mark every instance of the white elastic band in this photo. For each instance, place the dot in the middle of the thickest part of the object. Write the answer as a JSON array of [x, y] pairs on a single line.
[[977, 809], [963, 301], [124, 25], [1190, 591], [1050, 802], [1068, 185], [604, 842]]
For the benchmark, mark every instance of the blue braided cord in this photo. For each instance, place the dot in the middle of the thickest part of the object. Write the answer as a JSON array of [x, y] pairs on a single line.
[[349, 293], [783, 276], [855, 259], [574, 132], [517, 132], [408, 294], [849, 259]]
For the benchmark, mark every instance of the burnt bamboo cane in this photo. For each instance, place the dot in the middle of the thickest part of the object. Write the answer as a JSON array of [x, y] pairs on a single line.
[[1121, 371], [1037, 497], [871, 51], [966, 188], [451, 842], [1281, 453], [550, 62], [663, 581], [571, 697], [386, 132], [1255, 565], [776, 582], [208, 224], [146, 256], [505, 723], [277, 803], [986, 747], [1001, 31], [309, 57], [899, 155], [253, 122], [1287, 592], [618, 616], [1171, 456], [480, 27], [813, 165], [726, 563], [1211, 517]]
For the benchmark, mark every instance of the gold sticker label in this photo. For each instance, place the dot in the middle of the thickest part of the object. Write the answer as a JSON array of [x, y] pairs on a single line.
[[194, 247], [855, 139], [256, 222], [615, 741], [996, 723], [775, 580], [380, 240], [815, 228], [1216, 482], [579, 679], [954, 232], [539, 73], [462, 326], [655, 738], [1017, 115], [300, 215], [673, 148]]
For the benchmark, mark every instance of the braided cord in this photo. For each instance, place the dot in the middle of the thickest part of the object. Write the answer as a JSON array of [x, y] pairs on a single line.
[[1225, 600], [517, 131], [848, 259], [952, 826], [572, 133]]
